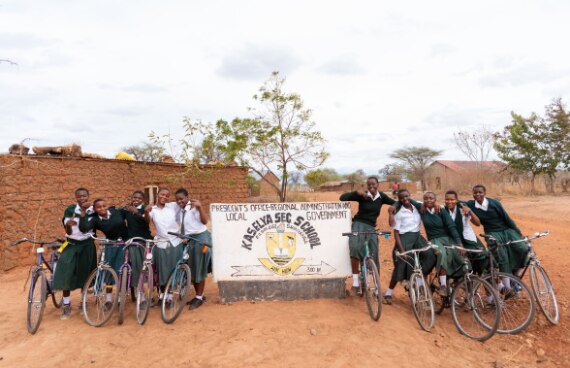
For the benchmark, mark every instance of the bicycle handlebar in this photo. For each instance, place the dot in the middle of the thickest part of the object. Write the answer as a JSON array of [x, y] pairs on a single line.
[[188, 236], [27, 240], [376, 232], [525, 239], [426, 248], [464, 249], [107, 241]]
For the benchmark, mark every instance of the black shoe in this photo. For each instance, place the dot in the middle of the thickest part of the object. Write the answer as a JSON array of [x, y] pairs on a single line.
[[190, 301], [108, 306], [195, 303], [66, 311]]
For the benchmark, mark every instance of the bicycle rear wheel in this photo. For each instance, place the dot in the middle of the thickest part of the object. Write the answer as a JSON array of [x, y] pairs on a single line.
[[544, 293], [123, 294], [144, 293], [100, 296], [422, 302], [472, 315], [36, 301], [372, 290], [517, 307], [176, 293]]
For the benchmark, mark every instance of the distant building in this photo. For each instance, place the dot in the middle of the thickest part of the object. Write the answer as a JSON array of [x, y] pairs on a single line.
[[444, 175], [342, 186]]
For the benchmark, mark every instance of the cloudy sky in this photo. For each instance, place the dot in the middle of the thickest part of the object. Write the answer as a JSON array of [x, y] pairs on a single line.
[[378, 75]]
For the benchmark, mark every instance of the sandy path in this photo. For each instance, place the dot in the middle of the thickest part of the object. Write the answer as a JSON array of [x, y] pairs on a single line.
[[317, 333]]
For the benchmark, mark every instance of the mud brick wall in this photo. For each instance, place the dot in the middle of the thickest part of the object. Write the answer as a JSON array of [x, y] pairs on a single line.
[[34, 192]]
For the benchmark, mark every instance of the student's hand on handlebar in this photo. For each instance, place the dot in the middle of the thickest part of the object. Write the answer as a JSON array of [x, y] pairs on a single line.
[[462, 252]]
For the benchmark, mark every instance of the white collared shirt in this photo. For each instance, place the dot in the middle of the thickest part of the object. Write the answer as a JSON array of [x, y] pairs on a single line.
[[105, 218], [483, 206], [164, 220], [76, 234], [468, 232], [408, 220], [375, 197], [192, 221]]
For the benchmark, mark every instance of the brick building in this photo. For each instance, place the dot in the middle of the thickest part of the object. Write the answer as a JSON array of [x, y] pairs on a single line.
[[267, 185], [443, 175], [35, 190]]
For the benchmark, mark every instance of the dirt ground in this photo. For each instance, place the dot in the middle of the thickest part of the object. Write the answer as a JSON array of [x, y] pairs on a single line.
[[316, 333]]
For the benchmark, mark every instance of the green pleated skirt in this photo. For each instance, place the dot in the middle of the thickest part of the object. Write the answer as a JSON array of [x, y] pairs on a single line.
[[510, 257], [402, 270], [75, 264], [356, 243], [200, 257], [448, 259], [165, 261]]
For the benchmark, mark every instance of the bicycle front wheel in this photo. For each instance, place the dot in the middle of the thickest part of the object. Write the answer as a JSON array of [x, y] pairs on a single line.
[[372, 290], [517, 307], [544, 293], [36, 301], [471, 310], [422, 302], [439, 301], [56, 295], [123, 294], [175, 294], [144, 293], [100, 296]]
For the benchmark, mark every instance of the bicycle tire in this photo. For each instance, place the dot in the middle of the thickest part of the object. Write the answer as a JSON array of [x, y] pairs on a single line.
[[518, 311], [36, 301], [422, 301], [372, 290], [542, 286], [144, 294], [96, 311], [56, 295], [176, 293], [123, 294], [469, 307]]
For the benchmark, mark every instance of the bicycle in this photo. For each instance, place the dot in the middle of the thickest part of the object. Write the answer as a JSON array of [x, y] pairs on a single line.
[[147, 279], [467, 296], [515, 298], [369, 275], [178, 285], [99, 295], [418, 292], [540, 283], [41, 286]]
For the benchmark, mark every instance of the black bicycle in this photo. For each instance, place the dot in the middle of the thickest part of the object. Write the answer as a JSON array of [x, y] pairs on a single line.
[[468, 297], [41, 285]]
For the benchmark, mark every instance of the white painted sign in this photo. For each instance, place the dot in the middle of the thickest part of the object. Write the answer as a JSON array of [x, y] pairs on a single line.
[[280, 240]]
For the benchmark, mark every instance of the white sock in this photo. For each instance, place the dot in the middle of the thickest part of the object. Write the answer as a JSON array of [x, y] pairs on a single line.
[[199, 297], [490, 299], [389, 292], [420, 282], [507, 282], [443, 280], [355, 281], [109, 297], [66, 300]]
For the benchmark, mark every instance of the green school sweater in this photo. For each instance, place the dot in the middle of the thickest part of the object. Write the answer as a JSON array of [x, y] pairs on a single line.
[[368, 210], [114, 227], [495, 218]]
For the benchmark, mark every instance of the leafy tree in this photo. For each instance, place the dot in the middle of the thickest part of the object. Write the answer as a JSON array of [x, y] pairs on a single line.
[[416, 160], [316, 178], [145, 152], [393, 172], [536, 145], [252, 184]]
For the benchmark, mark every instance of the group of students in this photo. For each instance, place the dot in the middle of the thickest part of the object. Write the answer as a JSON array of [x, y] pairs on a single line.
[[84, 218], [444, 225]]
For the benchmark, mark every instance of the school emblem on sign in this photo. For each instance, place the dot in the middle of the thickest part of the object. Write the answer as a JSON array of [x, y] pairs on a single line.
[[281, 246]]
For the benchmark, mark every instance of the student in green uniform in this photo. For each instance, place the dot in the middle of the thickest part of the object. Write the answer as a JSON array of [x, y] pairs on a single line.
[[405, 218], [369, 206], [111, 222], [136, 227], [462, 216], [496, 222], [168, 250], [193, 219], [79, 257], [441, 231]]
